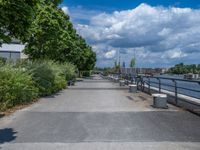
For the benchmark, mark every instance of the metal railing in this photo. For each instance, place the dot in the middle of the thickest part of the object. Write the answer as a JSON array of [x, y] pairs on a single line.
[[181, 92], [190, 88]]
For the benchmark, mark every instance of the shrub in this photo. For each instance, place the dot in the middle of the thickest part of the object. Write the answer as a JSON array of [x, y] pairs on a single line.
[[25, 80], [2, 61], [16, 87], [43, 76], [60, 79], [49, 76], [86, 73], [69, 71]]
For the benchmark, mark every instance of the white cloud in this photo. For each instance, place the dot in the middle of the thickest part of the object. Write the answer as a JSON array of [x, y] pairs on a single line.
[[65, 10], [174, 54], [110, 54], [162, 33]]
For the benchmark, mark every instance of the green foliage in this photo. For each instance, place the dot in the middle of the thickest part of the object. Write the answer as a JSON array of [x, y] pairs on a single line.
[[53, 37], [47, 35], [24, 81], [133, 62], [184, 69], [16, 87], [49, 76], [2, 61], [43, 76], [86, 74], [46, 30], [16, 18], [69, 71]]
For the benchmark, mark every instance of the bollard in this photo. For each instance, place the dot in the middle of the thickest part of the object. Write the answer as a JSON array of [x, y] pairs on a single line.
[[121, 83], [116, 80], [160, 100]]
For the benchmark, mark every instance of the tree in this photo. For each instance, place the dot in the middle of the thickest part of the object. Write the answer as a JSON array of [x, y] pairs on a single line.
[[133, 62], [16, 19], [184, 69], [53, 37], [48, 33]]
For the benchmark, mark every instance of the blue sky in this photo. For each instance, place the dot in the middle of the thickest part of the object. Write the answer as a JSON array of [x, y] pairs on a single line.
[[161, 32], [110, 5]]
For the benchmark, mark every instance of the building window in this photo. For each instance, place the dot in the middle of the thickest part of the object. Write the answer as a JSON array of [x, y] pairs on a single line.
[[10, 55]]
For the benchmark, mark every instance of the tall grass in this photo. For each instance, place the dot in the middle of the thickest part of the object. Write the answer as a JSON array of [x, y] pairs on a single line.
[[16, 87], [23, 82]]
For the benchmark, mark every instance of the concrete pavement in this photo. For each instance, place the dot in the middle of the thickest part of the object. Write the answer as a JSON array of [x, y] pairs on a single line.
[[99, 115]]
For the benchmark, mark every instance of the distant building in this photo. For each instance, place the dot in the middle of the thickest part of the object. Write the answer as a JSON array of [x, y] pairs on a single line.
[[124, 65], [147, 71], [12, 51], [191, 76]]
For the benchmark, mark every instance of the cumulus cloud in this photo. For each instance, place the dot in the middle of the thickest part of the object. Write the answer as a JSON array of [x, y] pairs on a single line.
[[110, 54], [65, 10], [162, 33], [174, 54]]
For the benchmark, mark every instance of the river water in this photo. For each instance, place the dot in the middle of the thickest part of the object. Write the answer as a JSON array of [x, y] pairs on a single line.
[[181, 84]]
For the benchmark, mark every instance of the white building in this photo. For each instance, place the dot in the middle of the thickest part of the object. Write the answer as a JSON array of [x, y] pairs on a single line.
[[12, 51]]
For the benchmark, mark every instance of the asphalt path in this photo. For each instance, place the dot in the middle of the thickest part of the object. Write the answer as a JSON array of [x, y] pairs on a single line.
[[97, 114]]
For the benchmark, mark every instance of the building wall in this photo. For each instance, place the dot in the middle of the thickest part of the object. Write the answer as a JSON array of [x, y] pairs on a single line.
[[10, 55], [149, 71], [12, 51]]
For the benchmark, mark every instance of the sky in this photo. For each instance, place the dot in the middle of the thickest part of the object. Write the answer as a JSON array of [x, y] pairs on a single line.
[[160, 33]]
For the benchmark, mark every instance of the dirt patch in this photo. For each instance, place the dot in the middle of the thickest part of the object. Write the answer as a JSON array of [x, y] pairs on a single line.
[[16, 108]]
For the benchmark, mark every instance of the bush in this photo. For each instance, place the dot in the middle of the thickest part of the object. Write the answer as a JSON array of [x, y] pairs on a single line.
[[25, 80], [42, 75], [60, 81], [2, 61], [49, 76], [69, 71], [16, 87], [86, 74]]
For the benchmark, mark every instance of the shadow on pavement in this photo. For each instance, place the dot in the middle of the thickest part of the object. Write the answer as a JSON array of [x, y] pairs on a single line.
[[54, 95], [130, 98], [7, 135], [2, 115]]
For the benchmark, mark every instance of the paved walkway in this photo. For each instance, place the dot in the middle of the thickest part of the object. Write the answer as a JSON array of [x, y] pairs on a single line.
[[99, 115]]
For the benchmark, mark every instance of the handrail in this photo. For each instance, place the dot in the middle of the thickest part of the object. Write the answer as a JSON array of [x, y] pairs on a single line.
[[173, 87], [194, 81], [180, 91], [176, 88]]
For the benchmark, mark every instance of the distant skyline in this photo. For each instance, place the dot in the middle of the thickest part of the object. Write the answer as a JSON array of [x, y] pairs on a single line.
[[163, 33]]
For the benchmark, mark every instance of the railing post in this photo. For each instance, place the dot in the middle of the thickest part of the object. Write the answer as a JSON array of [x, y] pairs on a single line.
[[176, 92], [142, 84], [159, 84], [149, 81], [141, 81], [131, 79]]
